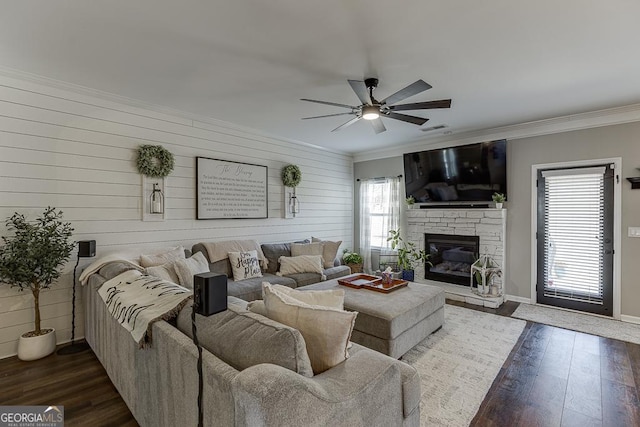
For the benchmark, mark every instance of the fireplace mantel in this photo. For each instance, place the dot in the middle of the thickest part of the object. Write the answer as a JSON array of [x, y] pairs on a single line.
[[488, 224]]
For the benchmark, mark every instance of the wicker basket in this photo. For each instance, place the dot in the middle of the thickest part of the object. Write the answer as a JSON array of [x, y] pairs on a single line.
[[355, 268]]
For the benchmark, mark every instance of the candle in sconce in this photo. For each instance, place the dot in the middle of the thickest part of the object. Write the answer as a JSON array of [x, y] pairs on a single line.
[[157, 199]]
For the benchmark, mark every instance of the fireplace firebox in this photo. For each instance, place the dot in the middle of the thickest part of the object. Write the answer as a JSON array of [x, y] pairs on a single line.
[[451, 256]]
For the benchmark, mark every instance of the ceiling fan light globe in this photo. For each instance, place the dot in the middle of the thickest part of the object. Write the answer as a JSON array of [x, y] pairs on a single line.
[[370, 112]]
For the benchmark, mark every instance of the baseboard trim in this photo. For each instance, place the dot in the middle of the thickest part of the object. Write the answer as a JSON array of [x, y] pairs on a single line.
[[58, 345], [630, 319], [516, 298]]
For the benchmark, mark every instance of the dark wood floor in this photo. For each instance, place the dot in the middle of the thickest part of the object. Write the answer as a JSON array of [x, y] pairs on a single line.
[[556, 377], [77, 381], [553, 377]]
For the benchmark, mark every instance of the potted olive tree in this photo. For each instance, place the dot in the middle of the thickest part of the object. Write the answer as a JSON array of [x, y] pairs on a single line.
[[408, 255], [31, 258]]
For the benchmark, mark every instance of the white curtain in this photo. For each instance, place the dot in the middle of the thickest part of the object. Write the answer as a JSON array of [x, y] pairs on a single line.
[[379, 213]]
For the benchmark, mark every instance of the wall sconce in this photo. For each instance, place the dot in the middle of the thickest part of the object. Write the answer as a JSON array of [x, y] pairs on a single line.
[[156, 204], [293, 207]]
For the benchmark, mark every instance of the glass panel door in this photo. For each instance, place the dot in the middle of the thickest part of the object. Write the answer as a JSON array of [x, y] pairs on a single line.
[[575, 238]]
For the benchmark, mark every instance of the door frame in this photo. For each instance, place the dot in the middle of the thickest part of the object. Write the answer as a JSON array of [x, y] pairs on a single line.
[[617, 223]]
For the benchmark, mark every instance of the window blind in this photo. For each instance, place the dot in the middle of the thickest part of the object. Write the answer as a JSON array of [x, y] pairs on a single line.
[[574, 230]]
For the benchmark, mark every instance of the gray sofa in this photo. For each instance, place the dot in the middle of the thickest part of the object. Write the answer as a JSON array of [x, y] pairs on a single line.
[[254, 372], [251, 289]]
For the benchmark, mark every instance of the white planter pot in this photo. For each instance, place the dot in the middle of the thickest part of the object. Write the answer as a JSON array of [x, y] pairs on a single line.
[[498, 205], [33, 348]]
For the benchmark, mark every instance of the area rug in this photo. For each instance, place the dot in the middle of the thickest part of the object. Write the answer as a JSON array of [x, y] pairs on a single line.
[[586, 323], [458, 363]]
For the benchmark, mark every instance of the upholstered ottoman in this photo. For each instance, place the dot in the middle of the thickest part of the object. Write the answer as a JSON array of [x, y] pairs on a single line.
[[392, 323]]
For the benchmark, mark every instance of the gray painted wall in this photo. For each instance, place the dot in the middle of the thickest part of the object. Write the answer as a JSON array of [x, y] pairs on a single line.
[[604, 142]]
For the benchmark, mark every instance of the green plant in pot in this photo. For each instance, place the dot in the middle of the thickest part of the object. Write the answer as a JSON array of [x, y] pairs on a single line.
[[31, 258], [408, 255], [499, 199], [353, 260]]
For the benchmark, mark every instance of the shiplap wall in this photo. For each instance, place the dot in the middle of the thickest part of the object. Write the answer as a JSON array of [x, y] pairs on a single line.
[[77, 152]]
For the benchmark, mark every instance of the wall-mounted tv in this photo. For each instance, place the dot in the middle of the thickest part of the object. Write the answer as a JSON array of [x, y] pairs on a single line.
[[465, 174]]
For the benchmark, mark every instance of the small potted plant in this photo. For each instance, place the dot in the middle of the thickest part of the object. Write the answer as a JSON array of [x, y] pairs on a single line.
[[353, 260], [408, 255], [410, 202], [498, 198], [31, 258]]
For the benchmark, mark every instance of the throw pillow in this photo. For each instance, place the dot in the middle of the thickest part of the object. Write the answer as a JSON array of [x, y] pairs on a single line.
[[333, 298], [300, 264], [273, 251], [257, 307], [165, 272], [329, 251], [245, 265], [186, 268], [326, 331], [162, 258], [244, 339], [298, 249]]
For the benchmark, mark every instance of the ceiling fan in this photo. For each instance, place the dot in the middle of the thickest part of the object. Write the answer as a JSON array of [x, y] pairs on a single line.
[[372, 110]]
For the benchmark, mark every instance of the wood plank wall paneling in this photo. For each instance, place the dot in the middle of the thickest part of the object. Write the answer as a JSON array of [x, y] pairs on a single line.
[[77, 152]]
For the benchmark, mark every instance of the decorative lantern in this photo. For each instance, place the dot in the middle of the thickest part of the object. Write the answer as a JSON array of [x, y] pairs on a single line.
[[294, 203], [156, 204], [485, 269]]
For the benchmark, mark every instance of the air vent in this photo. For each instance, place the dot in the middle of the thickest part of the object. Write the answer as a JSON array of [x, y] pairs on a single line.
[[437, 127]]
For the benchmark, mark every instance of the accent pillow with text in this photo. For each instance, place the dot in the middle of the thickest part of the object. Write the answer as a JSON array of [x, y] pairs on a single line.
[[245, 265]]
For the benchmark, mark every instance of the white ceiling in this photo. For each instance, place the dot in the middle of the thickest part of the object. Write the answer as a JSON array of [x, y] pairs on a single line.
[[248, 62]]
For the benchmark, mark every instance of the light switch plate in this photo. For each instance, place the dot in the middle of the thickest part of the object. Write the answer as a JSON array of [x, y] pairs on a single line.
[[634, 231]]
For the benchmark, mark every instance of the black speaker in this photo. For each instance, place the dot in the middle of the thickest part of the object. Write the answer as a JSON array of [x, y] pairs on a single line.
[[210, 293], [86, 248]]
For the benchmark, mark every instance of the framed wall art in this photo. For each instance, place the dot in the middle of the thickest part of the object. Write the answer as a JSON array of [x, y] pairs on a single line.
[[230, 190]]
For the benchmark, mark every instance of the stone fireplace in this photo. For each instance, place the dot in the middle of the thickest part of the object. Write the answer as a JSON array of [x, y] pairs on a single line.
[[462, 228]]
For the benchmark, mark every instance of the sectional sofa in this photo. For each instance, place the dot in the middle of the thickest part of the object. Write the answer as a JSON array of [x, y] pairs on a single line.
[[251, 289], [255, 371]]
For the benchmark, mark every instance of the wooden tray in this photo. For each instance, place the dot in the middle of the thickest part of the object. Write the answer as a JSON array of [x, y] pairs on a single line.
[[372, 283], [359, 280]]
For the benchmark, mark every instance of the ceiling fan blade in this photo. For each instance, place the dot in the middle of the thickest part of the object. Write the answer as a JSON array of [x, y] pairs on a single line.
[[344, 125], [378, 126], [443, 103], [327, 103], [327, 115], [406, 118], [361, 91], [412, 89]]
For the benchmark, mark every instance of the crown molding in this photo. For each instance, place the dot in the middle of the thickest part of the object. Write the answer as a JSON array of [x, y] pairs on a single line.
[[588, 120], [592, 119], [185, 118]]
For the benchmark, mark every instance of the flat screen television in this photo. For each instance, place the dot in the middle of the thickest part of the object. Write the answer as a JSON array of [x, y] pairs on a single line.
[[466, 174]]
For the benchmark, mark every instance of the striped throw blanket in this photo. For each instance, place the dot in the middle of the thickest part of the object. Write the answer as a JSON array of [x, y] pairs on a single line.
[[136, 300]]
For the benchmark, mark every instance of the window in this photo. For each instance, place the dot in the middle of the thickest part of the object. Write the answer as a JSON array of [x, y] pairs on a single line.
[[381, 216], [379, 213]]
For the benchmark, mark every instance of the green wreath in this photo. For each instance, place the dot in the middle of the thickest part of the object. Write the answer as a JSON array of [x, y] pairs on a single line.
[[154, 161], [291, 176]]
